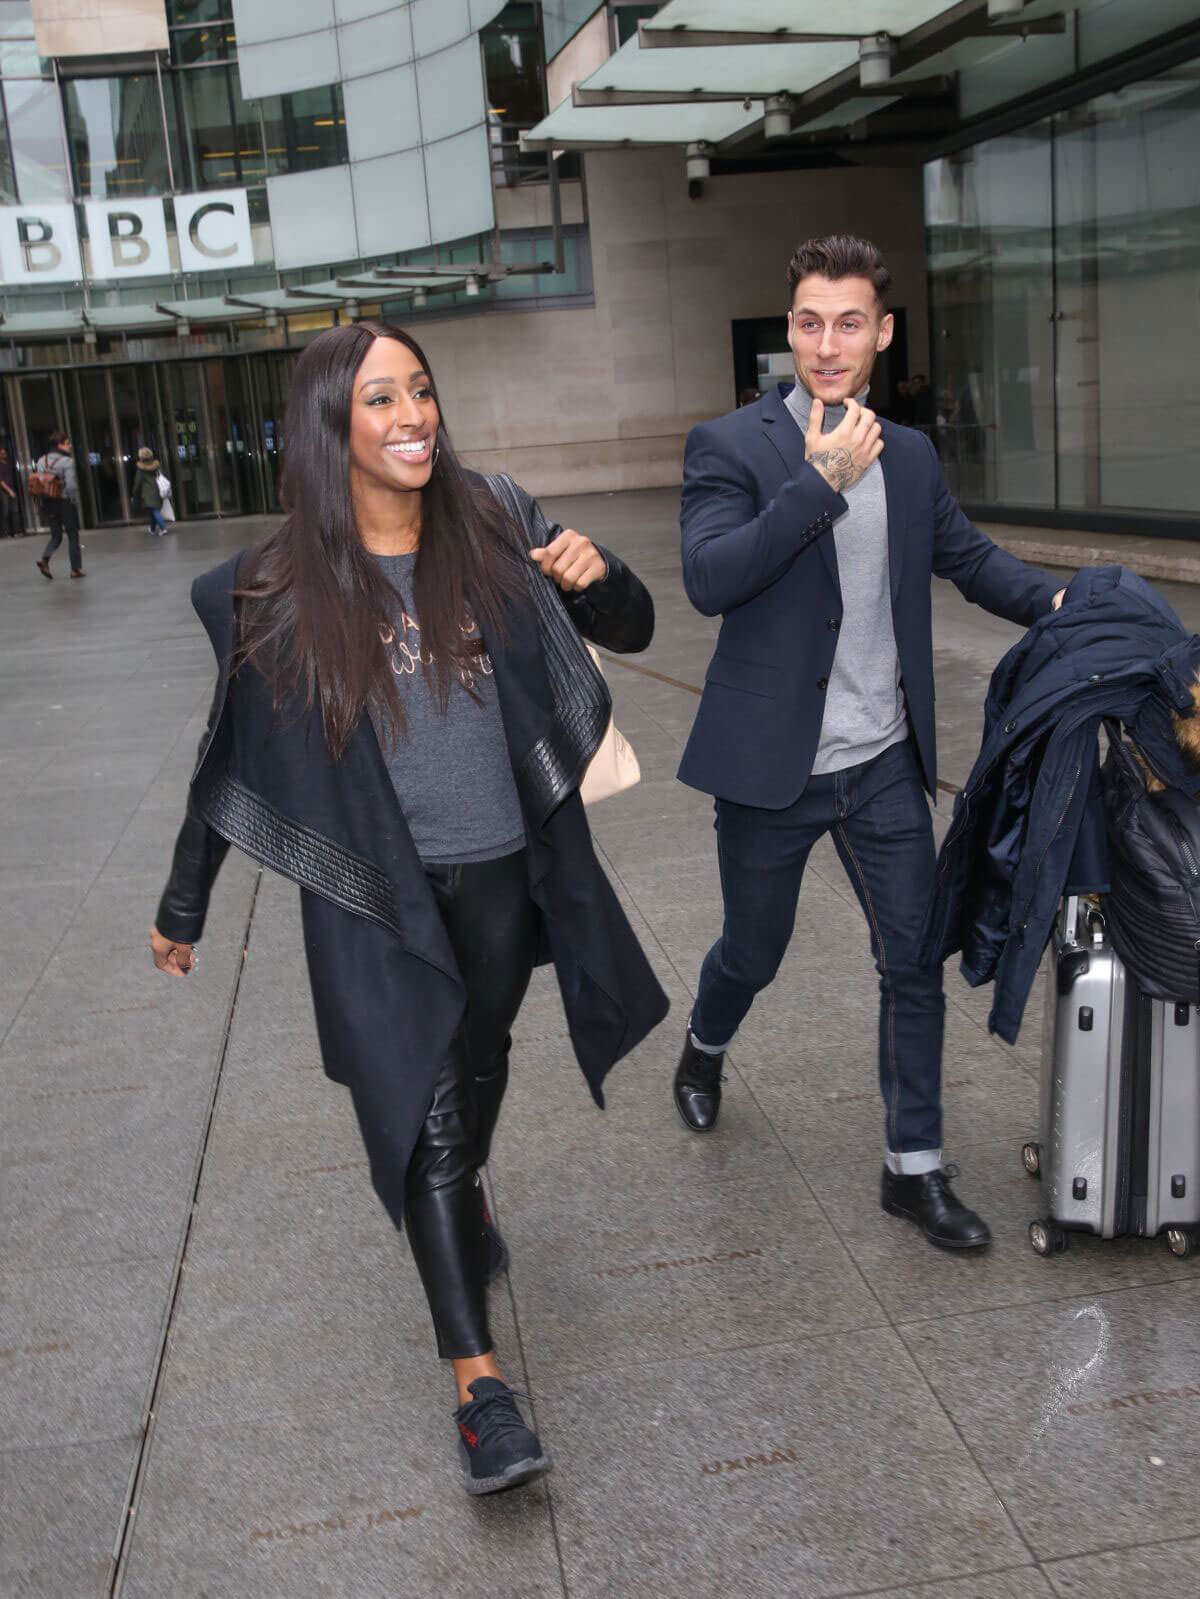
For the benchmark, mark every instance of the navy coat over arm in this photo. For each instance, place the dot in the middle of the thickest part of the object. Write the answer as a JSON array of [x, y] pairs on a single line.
[[757, 544]]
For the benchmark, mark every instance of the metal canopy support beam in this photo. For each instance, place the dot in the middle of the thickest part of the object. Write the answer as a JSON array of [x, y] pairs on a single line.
[[914, 88], [651, 38], [429, 270], [680, 38], [614, 96]]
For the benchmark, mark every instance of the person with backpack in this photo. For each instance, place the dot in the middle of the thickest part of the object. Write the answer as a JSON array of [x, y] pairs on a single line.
[[145, 493], [61, 506]]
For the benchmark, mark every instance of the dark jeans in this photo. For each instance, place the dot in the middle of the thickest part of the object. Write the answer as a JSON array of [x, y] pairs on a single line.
[[493, 928], [882, 831], [10, 517], [63, 516]]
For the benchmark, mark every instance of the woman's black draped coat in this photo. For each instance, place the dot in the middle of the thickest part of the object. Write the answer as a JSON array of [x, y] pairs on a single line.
[[386, 989]]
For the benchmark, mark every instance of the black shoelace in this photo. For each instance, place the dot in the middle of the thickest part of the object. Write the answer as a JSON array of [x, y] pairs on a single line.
[[493, 1418], [940, 1180]]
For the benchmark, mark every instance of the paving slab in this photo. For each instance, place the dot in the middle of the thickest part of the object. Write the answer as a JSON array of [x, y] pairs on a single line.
[[767, 1471], [76, 1351], [678, 1303], [63, 1509], [1025, 1582], [1085, 1411], [1167, 1568], [365, 1508]]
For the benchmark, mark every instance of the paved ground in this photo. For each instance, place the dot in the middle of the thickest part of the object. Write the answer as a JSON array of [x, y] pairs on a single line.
[[216, 1371]]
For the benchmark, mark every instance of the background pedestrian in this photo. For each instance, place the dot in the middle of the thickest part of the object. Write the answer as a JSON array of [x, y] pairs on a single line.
[[63, 512], [145, 493]]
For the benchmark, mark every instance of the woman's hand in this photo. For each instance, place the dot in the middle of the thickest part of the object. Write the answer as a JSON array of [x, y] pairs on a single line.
[[571, 561], [177, 959]]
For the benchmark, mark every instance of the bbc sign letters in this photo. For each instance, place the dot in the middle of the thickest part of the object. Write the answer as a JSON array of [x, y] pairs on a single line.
[[125, 238]]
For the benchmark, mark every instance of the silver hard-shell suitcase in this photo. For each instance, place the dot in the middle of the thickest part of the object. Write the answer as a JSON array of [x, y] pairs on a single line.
[[1120, 1104]]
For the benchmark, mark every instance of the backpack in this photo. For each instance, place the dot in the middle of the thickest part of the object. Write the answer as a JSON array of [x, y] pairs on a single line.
[[44, 484], [1153, 907]]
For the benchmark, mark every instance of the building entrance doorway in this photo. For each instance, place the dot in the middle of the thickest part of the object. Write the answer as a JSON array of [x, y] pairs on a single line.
[[215, 424]]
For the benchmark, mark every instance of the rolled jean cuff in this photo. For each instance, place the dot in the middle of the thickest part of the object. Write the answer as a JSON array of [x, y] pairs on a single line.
[[913, 1162], [707, 1049]]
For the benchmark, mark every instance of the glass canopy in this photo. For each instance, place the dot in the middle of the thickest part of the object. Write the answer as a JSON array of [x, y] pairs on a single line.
[[719, 70]]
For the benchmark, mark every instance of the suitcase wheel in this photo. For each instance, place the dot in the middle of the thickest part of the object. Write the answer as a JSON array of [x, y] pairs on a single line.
[[1047, 1237], [1180, 1241], [1031, 1154]]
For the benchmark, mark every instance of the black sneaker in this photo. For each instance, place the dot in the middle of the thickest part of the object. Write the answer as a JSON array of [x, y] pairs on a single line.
[[495, 1249], [498, 1450]]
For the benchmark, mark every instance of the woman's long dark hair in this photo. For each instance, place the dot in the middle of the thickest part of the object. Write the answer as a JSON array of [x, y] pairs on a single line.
[[312, 599]]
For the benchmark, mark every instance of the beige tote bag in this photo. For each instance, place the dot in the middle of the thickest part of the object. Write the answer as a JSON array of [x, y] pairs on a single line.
[[614, 766]]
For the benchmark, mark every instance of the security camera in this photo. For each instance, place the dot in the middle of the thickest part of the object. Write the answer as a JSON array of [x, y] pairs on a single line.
[[698, 168]]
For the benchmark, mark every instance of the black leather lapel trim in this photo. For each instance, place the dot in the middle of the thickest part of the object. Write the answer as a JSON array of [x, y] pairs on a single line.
[[299, 853], [554, 766]]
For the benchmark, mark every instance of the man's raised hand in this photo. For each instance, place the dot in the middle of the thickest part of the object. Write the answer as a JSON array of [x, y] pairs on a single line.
[[841, 457]]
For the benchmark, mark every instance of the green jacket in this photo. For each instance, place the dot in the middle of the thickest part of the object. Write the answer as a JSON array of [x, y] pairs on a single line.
[[144, 493]]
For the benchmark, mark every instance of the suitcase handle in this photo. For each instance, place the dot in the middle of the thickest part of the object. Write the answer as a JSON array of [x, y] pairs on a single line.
[[1071, 923]]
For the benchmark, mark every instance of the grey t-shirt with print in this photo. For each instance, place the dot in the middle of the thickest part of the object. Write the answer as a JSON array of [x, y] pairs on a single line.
[[451, 770]]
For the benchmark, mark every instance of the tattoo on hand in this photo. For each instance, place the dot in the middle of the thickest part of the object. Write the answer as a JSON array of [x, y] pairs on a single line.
[[836, 465]]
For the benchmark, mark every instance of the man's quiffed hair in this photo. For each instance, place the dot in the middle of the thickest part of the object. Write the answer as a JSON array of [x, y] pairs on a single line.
[[840, 255]]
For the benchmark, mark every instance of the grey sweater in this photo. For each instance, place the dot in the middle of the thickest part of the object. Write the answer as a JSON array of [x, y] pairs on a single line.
[[451, 770], [864, 703]]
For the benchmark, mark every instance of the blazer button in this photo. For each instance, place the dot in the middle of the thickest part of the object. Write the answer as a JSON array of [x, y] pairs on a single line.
[[822, 683], [833, 624], [1010, 727]]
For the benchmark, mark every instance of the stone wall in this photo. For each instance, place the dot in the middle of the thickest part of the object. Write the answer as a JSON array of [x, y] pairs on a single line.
[[581, 401], [99, 27]]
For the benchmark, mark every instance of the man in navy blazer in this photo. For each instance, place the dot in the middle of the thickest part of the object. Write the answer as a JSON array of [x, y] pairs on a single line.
[[812, 529]]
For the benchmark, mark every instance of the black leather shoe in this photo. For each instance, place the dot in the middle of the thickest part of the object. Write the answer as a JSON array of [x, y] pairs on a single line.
[[929, 1200], [698, 1087]]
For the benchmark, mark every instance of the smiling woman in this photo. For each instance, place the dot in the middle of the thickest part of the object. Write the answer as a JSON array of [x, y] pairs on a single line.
[[360, 481], [386, 733]]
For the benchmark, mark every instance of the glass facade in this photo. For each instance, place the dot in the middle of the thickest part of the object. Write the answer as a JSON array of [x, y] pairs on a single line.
[[115, 136], [33, 122], [122, 137], [515, 73], [103, 360], [1063, 306]]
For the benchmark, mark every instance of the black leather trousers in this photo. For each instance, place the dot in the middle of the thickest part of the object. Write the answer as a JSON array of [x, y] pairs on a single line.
[[493, 928]]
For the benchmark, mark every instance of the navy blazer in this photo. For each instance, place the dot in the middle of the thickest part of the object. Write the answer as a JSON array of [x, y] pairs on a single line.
[[756, 522]]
